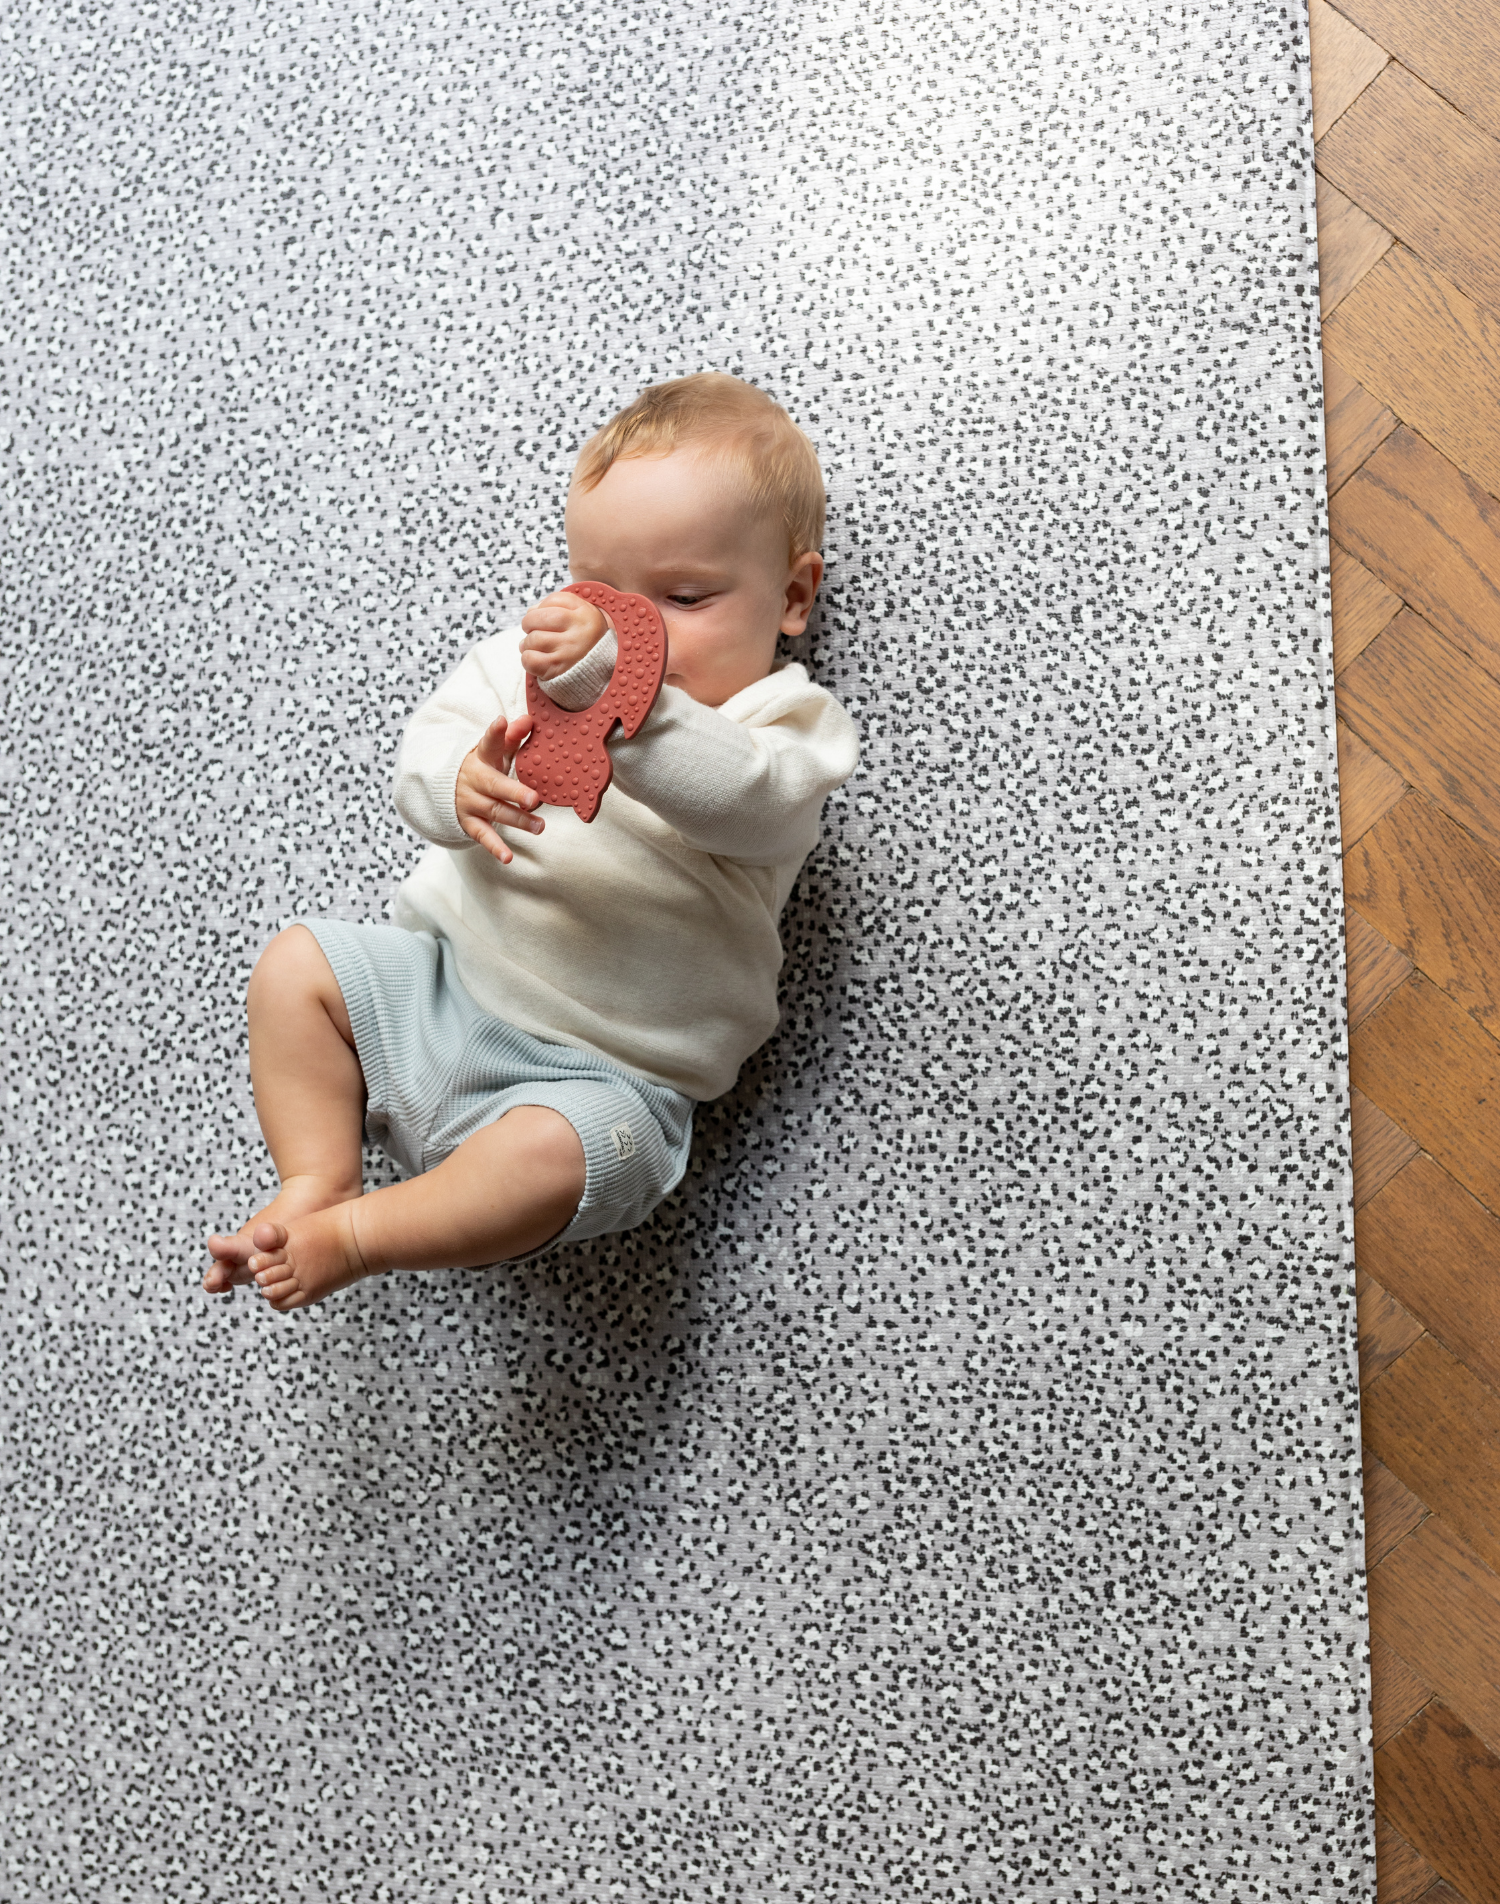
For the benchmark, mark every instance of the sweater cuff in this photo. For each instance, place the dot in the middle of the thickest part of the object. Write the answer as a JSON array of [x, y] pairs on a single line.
[[425, 800], [582, 684], [444, 798]]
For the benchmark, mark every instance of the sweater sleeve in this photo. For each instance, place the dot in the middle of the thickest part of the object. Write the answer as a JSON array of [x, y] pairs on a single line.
[[749, 789], [439, 735], [582, 684]]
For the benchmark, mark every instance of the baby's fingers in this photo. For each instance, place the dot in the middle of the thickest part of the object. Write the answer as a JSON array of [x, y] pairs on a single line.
[[484, 788], [550, 617], [557, 612], [491, 749], [485, 835], [497, 746], [481, 816], [502, 813]]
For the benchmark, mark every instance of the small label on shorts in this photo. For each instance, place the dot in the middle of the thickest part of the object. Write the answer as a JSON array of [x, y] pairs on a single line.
[[623, 1139]]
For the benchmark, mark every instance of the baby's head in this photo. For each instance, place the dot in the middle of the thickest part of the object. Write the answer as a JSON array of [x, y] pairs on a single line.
[[704, 496]]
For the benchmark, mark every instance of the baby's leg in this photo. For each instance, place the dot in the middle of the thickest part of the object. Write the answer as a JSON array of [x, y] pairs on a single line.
[[506, 1191], [309, 1093]]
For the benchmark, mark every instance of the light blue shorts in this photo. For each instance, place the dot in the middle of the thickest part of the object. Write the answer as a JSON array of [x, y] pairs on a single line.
[[437, 1069]]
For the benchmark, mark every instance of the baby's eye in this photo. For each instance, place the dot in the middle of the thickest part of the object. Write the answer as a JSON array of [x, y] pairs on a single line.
[[685, 601]]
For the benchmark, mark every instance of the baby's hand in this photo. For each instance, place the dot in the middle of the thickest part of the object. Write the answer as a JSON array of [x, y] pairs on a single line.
[[486, 795], [559, 632]]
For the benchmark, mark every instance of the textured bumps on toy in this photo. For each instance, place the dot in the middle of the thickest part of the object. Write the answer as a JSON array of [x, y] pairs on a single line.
[[564, 758]]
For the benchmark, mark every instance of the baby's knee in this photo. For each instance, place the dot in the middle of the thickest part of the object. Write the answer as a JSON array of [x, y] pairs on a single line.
[[546, 1148], [292, 966]]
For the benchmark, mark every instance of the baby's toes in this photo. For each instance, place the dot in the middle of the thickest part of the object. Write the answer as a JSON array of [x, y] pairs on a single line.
[[268, 1239], [285, 1296], [230, 1265], [278, 1284], [269, 1265]]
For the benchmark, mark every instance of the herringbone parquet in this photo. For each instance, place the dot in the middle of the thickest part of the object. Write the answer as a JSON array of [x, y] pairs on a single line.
[[1407, 118]]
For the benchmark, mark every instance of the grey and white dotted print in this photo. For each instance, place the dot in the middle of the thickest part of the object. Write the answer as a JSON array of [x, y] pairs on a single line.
[[953, 1492]]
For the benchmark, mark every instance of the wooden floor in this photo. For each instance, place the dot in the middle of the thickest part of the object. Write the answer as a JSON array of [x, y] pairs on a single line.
[[1407, 122]]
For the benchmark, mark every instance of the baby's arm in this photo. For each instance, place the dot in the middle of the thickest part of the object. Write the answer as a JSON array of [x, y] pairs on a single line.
[[751, 792], [748, 791], [454, 784]]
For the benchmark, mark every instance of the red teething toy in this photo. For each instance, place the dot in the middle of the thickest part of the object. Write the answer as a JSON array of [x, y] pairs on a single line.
[[564, 757]]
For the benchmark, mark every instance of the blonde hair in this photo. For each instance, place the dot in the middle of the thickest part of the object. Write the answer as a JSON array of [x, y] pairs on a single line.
[[750, 433]]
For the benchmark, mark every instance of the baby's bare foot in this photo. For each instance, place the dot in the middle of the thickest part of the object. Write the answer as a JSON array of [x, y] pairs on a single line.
[[303, 1261], [298, 1196]]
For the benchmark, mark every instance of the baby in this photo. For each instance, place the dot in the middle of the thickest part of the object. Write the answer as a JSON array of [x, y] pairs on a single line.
[[529, 1038]]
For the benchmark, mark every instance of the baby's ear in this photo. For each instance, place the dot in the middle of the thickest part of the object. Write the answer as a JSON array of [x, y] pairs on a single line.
[[799, 647], [801, 593]]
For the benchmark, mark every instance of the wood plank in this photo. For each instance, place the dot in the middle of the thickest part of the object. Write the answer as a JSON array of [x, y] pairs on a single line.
[[1397, 1694], [1380, 1148], [1363, 607], [1431, 534], [1355, 424], [1431, 354], [1439, 1785], [1368, 785], [1344, 61], [1437, 1606], [1350, 242], [1434, 893], [1386, 1330], [1442, 1893], [1391, 1510], [1428, 1065], [1426, 173], [1436, 1427], [1453, 44], [1436, 1250], [1432, 713], [1433, 1069], [1402, 1874], [1373, 966]]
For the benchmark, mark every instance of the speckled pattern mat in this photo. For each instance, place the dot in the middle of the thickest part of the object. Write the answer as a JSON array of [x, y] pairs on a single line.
[[953, 1493]]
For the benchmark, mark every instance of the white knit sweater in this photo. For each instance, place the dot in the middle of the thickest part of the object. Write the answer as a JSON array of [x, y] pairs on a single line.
[[650, 935]]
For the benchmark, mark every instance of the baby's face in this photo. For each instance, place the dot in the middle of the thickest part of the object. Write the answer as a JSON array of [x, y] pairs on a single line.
[[676, 530]]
